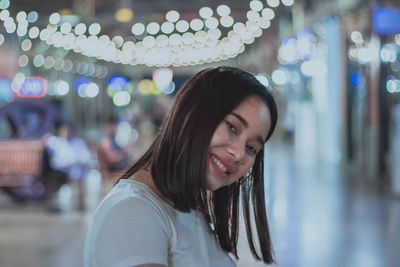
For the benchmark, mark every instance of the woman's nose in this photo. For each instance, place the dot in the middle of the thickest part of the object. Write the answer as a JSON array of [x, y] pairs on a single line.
[[237, 150]]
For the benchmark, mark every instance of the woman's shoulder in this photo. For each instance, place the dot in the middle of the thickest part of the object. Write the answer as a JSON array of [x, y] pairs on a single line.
[[127, 189], [135, 195]]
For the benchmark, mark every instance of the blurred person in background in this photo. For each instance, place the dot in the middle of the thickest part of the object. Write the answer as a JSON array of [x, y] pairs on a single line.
[[178, 204], [111, 156], [69, 158]]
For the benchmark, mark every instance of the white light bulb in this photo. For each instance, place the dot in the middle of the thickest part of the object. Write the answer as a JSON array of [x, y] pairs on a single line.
[[264, 23], [364, 55], [227, 21], [223, 10], [201, 36], [273, 3], [252, 15], [153, 28], [21, 16], [65, 27], [279, 77], [62, 87], [182, 26], [21, 31], [196, 25], [188, 38], [239, 27], [175, 39], [138, 28], [149, 41], [4, 14], [23, 60], [121, 99], [26, 45], [356, 36], [172, 16], [92, 90], [287, 2], [167, 27], [54, 18], [268, 13], [162, 40], [205, 12], [256, 5], [94, 28], [80, 29], [118, 40], [212, 23]]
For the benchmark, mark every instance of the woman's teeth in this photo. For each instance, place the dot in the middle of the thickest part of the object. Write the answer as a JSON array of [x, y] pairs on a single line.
[[219, 164]]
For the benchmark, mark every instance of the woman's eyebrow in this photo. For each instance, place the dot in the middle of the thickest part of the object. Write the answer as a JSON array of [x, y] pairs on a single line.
[[241, 119], [246, 125]]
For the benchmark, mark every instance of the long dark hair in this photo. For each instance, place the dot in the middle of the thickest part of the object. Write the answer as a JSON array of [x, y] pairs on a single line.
[[178, 157]]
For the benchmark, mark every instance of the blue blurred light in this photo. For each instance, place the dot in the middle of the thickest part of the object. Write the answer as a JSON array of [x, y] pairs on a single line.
[[386, 20], [118, 83], [80, 81], [356, 79], [32, 16], [170, 89]]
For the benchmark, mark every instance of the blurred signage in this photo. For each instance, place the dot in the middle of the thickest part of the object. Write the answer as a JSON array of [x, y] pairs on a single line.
[[386, 20], [33, 87]]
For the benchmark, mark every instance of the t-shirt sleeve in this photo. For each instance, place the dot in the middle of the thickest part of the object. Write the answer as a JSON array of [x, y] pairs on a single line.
[[132, 232]]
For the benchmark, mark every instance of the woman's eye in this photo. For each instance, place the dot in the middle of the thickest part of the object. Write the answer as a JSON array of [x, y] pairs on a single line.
[[230, 125], [252, 149]]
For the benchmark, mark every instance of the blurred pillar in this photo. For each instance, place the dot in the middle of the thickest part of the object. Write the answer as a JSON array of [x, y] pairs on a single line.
[[330, 124], [8, 62], [356, 135], [84, 8], [372, 142], [395, 150]]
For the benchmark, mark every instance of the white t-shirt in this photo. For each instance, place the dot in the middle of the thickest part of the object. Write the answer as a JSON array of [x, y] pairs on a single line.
[[133, 226]]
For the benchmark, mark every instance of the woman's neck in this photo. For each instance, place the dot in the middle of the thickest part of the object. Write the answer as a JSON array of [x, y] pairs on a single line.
[[144, 176]]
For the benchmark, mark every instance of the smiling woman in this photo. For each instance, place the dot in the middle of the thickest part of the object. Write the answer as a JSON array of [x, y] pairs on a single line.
[[236, 142], [178, 205]]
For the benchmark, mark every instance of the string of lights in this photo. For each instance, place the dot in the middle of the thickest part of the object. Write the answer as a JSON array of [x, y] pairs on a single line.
[[173, 42]]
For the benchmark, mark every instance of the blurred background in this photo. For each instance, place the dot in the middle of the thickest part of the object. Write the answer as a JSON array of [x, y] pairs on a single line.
[[85, 85]]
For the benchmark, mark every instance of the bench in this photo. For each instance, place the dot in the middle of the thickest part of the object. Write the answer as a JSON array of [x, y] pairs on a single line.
[[20, 162]]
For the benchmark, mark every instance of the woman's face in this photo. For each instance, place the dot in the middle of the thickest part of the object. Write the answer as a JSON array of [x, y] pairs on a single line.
[[236, 141]]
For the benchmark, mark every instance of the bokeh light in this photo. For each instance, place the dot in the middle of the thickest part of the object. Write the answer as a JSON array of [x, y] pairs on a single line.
[[121, 99], [61, 87], [279, 77]]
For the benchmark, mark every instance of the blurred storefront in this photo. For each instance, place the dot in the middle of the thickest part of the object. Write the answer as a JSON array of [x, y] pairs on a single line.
[[338, 79]]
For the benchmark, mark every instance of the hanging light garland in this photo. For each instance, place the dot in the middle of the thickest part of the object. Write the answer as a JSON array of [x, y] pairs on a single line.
[[173, 42]]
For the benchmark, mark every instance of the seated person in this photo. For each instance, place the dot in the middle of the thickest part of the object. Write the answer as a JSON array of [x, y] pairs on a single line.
[[69, 156]]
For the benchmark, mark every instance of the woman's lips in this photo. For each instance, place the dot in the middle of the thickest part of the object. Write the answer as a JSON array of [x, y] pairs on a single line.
[[221, 168]]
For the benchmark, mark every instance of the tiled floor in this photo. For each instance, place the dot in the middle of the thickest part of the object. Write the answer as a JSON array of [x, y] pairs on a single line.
[[319, 216]]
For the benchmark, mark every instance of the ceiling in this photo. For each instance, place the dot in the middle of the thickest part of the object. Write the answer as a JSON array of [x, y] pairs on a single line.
[[104, 9], [144, 11]]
